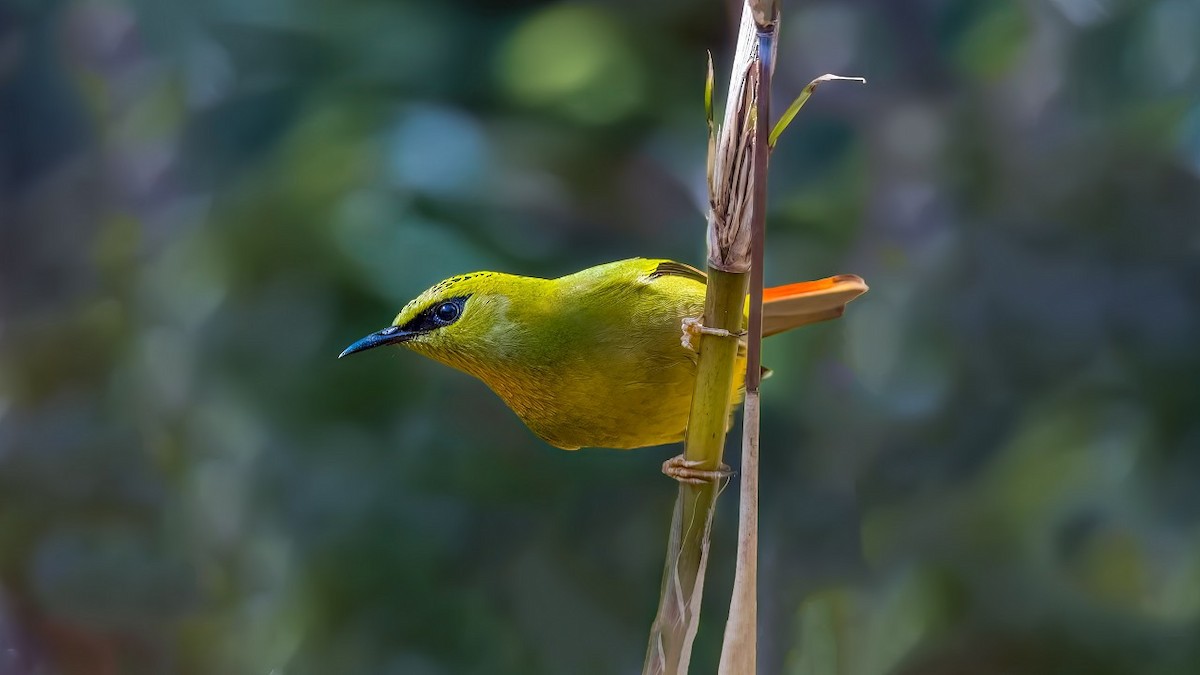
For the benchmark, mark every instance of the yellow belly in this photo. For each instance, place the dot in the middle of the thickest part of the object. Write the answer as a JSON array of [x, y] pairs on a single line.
[[613, 407]]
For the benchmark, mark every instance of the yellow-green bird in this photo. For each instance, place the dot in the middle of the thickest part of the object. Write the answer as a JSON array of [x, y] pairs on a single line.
[[595, 358]]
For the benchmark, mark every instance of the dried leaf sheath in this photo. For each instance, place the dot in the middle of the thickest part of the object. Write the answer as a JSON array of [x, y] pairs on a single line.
[[733, 184]]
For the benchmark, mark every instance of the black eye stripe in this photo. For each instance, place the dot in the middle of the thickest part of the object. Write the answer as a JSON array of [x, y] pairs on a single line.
[[437, 315]]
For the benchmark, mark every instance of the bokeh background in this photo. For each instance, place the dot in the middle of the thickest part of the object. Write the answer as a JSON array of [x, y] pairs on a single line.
[[991, 465]]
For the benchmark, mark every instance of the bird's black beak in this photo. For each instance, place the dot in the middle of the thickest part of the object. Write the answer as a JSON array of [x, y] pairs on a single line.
[[388, 336]]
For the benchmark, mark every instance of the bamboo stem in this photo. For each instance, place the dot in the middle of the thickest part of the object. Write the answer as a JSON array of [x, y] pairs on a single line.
[[723, 308], [730, 185], [737, 178], [674, 629]]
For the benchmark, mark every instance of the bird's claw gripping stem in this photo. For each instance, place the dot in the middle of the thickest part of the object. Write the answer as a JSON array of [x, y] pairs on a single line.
[[693, 329], [685, 471]]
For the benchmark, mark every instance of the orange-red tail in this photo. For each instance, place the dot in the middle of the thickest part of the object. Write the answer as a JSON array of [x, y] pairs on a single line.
[[794, 305]]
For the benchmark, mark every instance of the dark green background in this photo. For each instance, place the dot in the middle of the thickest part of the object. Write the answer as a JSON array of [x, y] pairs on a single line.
[[990, 465]]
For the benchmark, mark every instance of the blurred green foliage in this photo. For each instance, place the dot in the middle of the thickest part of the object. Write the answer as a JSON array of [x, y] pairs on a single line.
[[989, 466]]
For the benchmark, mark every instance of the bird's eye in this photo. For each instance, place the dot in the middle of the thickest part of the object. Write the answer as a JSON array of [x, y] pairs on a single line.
[[447, 312]]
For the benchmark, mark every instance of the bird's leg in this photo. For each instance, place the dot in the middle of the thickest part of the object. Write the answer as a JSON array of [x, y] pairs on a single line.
[[685, 471], [693, 329]]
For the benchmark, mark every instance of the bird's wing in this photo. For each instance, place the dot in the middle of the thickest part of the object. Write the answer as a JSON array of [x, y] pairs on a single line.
[[794, 305], [668, 267]]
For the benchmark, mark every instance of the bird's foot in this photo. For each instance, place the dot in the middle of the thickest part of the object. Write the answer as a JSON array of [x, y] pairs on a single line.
[[685, 471], [693, 329]]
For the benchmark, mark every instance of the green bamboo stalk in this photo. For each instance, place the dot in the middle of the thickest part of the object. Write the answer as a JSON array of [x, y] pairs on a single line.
[[675, 625], [737, 166], [723, 309], [674, 628]]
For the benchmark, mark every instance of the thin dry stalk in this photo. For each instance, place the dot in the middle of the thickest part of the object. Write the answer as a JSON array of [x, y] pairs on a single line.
[[739, 647]]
